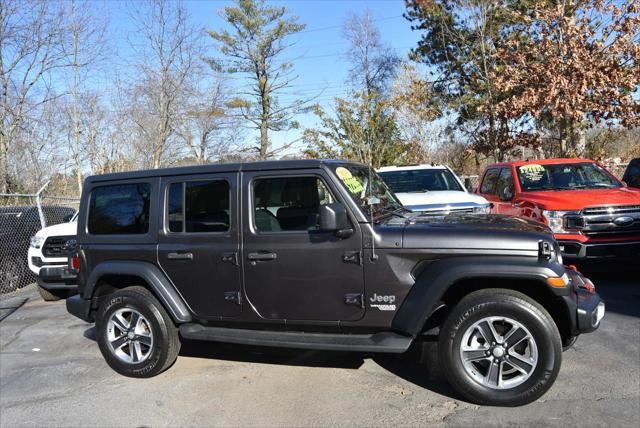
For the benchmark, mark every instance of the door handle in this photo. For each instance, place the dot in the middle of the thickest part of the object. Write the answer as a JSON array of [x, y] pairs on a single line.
[[180, 256], [262, 256]]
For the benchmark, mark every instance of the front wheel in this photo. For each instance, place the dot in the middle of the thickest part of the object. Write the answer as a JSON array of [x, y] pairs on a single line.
[[499, 347]]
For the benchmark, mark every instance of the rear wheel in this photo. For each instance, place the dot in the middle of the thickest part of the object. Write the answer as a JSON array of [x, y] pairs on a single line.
[[499, 347], [136, 336]]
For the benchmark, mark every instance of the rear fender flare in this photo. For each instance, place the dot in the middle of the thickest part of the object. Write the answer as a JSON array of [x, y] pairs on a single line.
[[152, 275]]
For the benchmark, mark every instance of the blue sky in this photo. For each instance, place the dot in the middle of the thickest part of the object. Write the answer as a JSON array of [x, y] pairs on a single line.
[[321, 65]]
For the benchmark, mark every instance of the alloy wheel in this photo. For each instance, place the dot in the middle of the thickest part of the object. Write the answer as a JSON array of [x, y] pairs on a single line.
[[499, 352], [129, 335]]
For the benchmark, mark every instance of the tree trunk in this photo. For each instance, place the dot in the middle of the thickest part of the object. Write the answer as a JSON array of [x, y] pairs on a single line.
[[76, 125], [4, 154], [264, 124], [581, 142]]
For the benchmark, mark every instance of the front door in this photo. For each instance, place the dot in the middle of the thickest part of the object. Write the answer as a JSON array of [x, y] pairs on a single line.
[[198, 246], [292, 270]]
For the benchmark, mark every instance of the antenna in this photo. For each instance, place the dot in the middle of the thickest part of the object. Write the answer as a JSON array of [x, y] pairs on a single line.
[[374, 256]]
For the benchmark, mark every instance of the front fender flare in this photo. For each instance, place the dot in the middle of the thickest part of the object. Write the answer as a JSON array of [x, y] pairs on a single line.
[[435, 279], [153, 276]]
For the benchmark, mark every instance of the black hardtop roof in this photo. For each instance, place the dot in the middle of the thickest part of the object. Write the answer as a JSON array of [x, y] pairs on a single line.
[[219, 167]]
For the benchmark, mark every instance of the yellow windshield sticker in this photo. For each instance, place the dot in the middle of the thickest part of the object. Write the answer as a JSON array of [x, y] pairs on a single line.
[[353, 184], [343, 173], [532, 172]]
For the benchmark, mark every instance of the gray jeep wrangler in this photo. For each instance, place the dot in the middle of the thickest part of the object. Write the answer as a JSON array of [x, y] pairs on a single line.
[[319, 254]]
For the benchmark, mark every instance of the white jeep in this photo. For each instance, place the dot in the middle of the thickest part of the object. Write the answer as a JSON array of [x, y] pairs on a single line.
[[432, 189]]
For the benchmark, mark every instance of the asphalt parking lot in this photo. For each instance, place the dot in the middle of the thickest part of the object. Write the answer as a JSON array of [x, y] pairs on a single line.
[[52, 374]]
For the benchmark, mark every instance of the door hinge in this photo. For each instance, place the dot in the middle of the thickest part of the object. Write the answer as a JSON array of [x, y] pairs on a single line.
[[352, 257], [354, 299], [232, 297], [230, 258]]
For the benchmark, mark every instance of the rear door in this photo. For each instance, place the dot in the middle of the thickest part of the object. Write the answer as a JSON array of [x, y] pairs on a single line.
[[292, 270], [198, 243]]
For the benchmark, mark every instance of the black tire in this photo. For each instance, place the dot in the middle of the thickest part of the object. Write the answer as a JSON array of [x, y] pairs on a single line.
[[166, 342], [515, 306], [52, 295]]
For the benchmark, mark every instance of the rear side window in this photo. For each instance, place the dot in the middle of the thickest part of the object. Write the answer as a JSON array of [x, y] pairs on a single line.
[[120, 209], [199, 206], [489, 182]]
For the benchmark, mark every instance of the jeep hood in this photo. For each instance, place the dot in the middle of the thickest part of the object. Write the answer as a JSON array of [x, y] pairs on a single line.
[[575, 200], [493, 234]]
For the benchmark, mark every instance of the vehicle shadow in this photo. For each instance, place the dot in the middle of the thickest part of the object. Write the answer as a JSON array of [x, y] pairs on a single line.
[[419, 365], [268, 355]]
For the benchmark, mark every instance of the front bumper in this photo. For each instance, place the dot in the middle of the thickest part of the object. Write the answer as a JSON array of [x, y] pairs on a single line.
[[586, 308], [57, 278], [575, 250]]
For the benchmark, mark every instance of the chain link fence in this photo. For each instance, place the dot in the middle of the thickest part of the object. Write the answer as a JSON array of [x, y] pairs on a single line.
[[21, 216]]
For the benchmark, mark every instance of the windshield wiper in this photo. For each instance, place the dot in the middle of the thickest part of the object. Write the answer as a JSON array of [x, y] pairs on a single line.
[[395, 211]]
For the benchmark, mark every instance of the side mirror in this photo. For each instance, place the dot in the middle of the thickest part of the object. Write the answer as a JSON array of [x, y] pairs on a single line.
[[67, 218], [507, 194], [333, 218]]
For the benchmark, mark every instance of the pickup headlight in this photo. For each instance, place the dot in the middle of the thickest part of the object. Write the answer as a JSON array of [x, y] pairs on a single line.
[[37, 241], [560, 221], [484, 209]]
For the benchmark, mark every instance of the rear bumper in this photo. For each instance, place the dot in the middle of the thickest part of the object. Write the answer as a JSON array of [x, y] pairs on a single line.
[[79, 307], [575, 250], [57, 278]]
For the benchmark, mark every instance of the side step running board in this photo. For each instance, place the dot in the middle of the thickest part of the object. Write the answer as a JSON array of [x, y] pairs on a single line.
[[378, 342]]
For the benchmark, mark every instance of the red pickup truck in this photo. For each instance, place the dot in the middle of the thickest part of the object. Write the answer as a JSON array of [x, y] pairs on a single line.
[[592, 214]]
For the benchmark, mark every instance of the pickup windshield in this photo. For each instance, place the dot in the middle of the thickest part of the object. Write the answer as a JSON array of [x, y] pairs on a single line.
[[570, 176], [420, 180], [369, 191]]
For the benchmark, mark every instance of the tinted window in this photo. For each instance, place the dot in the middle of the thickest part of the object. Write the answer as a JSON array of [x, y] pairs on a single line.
[[199, 206], [489, 182], [505, 181], [291, 203], [420, 180], [119, 209]]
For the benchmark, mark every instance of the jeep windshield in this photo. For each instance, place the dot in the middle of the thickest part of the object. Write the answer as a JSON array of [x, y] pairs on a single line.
[[567, 176], [369, 191], [420, 180]]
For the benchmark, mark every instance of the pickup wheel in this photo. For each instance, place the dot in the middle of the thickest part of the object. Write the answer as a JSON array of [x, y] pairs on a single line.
[[135, 334], [52, 296], [499, 347]]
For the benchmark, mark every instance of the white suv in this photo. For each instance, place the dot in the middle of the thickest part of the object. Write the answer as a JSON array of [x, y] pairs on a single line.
[[48, 258], [432, 189]]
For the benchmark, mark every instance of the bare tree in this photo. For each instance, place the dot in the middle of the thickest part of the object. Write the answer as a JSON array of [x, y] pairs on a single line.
[[373, 63], [87, 42], [166, 59], [207, 129], [32, 34], [254, 47]]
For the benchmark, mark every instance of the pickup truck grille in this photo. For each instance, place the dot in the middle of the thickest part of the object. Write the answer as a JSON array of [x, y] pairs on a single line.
[[611, 220], [440, 212], [58, 246]]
